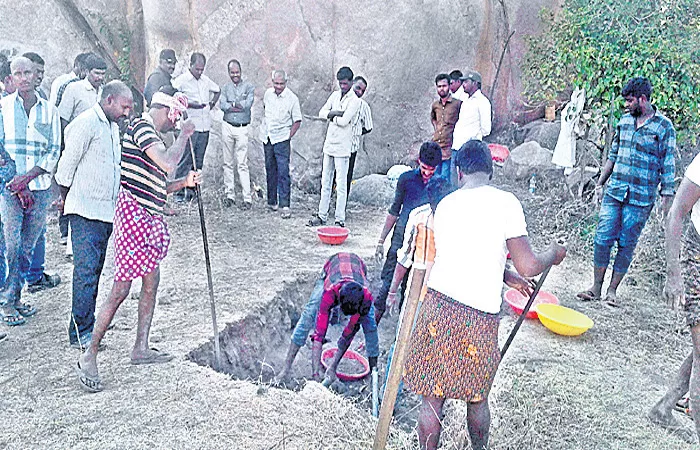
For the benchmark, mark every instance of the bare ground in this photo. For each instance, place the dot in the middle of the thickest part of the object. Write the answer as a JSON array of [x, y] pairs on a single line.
[[590, 392]]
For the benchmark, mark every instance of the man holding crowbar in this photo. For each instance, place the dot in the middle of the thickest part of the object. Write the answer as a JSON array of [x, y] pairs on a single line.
[[456, 334], [141, 237]]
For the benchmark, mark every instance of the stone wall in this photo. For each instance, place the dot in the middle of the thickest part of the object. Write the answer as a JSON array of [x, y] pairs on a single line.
[[398, 46]]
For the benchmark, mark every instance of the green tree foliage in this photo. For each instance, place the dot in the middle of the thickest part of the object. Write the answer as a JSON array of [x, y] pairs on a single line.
[[600, 44]]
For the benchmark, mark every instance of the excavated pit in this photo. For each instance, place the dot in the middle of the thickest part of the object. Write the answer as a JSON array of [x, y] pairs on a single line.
[[254, 347]]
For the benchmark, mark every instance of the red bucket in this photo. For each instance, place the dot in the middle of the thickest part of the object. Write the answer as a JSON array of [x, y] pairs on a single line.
[[332, 235]]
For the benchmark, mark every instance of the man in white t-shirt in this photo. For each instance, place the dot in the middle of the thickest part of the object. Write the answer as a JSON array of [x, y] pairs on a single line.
[[202, 94], [454, 347], [678, 267]]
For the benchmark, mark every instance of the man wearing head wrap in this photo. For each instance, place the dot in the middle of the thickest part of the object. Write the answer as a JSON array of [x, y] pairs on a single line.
[[141, 238]]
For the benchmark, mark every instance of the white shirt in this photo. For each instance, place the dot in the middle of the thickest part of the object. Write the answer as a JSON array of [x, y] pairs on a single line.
[[693, 174], [363, 119], [57, 83], [77, 98], [281, 111], [91, 166], [471, 229], [338, 141], [474, 120], [461, 94], [199, 91]]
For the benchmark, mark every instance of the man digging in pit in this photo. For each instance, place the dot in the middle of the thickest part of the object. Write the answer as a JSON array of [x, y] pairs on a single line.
[[141, 237], [343, 282], [680, 264], [641, 159]]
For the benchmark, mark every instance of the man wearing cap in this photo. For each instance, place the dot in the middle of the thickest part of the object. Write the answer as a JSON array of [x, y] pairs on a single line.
[[236, 101], [202, 94], [141, 237], [162, 76], [475, 115]]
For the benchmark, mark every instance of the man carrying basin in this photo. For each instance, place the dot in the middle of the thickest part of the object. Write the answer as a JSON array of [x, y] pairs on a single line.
[[343, 282], [454, 351]]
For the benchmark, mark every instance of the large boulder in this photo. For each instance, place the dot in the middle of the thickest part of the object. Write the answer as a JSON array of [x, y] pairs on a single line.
[[526, 159], [544, 133], [373, 190]]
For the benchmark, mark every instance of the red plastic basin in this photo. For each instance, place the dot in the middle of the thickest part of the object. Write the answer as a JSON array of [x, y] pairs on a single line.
[[499, 153], [517, 301], [328, 355], [332, 235]]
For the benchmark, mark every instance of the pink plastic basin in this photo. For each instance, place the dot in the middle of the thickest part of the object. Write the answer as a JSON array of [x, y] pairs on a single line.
[[499, 153], [328, 355], [517, 301], [332, 235]]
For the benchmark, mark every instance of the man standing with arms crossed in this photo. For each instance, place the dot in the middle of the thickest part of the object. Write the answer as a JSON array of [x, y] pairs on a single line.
[[641, 158], [282, 121], [236, 101], [202, 94], [88, 176], [340, 111]]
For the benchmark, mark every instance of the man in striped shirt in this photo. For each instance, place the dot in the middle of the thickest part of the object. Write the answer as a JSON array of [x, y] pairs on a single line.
[[141, 238], [361, 125], [31, 134], [88, 176], [60, 83]]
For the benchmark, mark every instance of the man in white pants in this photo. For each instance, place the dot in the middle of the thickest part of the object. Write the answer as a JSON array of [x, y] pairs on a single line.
[[340, 110], [236, 100]]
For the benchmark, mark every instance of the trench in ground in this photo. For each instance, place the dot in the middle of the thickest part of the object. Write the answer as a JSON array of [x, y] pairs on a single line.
[[254, 347]]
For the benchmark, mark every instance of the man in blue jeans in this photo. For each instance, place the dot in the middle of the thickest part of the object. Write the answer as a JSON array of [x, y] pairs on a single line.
[[89, 176], [410, 192], [343, 282], [31, 134], [641, 158]]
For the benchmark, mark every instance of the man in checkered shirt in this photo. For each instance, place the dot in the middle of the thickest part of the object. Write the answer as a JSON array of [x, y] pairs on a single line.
[[641, 159], [30, 130]]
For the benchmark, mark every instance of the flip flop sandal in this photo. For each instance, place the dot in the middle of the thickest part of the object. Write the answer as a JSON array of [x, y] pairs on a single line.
[[157, 357], [3, 336], [25, 309], [683, 406], [87, 382], [13, 319], [611, 301], [587, 296]]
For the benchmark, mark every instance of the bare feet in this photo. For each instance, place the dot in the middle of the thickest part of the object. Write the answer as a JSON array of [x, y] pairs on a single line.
[[665, 420]]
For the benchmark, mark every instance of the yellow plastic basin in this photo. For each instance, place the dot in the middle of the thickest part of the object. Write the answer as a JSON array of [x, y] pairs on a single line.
[[563, 320]]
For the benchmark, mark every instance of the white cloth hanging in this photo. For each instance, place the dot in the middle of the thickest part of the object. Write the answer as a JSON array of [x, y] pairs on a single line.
[[565, 151]]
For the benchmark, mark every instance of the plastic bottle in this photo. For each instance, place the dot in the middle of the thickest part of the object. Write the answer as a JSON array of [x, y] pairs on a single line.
[[533, 183]]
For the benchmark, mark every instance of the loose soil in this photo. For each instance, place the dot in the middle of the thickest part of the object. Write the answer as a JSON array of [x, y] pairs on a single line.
[[551, 392]]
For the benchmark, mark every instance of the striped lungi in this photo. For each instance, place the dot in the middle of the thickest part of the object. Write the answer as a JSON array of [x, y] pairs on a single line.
[[453, 351], [141, 239]]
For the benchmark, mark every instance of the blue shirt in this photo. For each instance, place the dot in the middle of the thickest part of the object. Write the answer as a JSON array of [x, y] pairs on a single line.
[[7, 167], [643, 158], [410, 193]]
